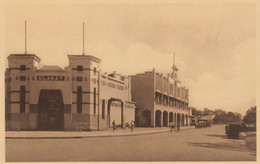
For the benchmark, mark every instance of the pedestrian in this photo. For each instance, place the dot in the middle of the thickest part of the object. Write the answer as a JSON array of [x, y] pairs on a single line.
[[171, 127], [114, 125], [132, 125], [178, 127]]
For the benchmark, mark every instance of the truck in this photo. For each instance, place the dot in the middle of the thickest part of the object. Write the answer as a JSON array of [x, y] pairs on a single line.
[[203, 123], [233, 130]]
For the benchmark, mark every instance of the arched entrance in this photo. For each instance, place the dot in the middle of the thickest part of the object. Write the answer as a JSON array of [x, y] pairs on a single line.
[[137, 120], [182, 120], [109, 121], [165, 119], [51, 113], [146, 118], [170, 117], [175, 118], [187, 119], [178, 119], [158, 118]]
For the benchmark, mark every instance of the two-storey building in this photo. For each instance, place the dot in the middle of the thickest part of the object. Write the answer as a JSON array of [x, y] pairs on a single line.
[[160, 100], [78, 97]]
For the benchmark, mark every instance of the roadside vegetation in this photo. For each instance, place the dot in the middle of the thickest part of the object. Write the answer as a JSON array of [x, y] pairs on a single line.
[[220, 116]]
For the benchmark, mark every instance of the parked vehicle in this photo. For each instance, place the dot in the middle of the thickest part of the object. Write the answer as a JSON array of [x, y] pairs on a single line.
[[203, 123], [233, 130], [200, 124], [208, 123]]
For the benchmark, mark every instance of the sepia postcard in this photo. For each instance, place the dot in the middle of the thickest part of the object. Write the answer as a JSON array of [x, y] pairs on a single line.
[[121, 81]]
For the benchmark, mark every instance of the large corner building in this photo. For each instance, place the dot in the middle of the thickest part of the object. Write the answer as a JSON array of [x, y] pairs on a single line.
[[78, 97], [160, 100]]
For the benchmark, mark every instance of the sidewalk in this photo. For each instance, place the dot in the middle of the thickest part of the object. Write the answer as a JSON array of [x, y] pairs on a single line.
[[86, 134]]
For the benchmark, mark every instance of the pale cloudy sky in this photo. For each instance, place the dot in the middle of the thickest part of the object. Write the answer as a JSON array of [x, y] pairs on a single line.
[[214, 43]]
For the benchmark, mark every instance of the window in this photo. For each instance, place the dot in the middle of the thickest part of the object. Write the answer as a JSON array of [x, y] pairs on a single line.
[[79, 68], [79, 78], [79, 99], [94, 101], [95, 70], [22, 68], [22, 99], [103, 109], [22, 78]]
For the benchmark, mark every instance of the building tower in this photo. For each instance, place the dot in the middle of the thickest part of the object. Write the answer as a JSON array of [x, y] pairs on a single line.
[[17, 83], [174, 69]]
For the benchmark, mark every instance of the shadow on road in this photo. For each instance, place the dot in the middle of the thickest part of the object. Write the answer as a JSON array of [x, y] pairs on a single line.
[[233, 146], [217, 135], [225, 137]]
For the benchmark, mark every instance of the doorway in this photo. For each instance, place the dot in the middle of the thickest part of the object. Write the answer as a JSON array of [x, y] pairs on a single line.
[[51, 113]]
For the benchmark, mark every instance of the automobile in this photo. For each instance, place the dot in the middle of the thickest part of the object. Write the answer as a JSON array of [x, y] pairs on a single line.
[[200, 124], [233, 130], [203, 123], [208, 123]]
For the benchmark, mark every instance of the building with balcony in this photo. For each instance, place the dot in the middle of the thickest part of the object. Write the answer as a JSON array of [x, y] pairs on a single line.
[[160, 100]]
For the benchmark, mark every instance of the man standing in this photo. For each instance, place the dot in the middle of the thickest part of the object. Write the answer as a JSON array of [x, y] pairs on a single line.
[[114, 125], [132, 125], [178, 127]]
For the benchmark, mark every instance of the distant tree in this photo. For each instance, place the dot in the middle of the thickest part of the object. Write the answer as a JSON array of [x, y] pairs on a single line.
[[216, 119], [207, 111], [218, 111], [238, 117], [220, 116], [230, 117], [250, 117], [196, 112]]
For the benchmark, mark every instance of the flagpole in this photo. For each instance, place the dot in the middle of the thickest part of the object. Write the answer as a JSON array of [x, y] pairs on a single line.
[[25, 38], [174, 58], [83, 39]]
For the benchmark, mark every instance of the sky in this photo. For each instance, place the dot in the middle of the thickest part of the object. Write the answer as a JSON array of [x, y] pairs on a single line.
[[214, 44]]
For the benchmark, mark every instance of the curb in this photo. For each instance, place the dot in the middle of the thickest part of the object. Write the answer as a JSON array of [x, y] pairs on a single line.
[[96, 136]]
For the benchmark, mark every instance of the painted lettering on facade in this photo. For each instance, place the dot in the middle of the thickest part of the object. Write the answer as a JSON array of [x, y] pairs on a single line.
[[50, 78]]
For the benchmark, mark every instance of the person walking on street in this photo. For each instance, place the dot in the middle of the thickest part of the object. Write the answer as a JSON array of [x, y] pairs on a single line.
[[178, 127], [132, 125], [114, 125], [171, 127]]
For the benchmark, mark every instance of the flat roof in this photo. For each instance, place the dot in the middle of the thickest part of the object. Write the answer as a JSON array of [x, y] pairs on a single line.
[[85, 56], [25, 55]]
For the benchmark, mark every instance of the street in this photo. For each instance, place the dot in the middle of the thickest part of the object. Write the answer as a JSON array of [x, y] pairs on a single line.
[[206, 144]]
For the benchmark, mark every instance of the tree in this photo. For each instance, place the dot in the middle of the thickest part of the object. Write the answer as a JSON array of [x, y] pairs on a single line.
[[250, 117], [233, 117], [196, 112], [207, 111], [220, 116]]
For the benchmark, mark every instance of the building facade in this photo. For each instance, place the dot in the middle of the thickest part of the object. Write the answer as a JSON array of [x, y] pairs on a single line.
[[160, 100], [78, 97]]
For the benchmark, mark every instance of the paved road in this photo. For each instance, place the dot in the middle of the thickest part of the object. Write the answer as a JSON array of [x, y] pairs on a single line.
[[208, 144]]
